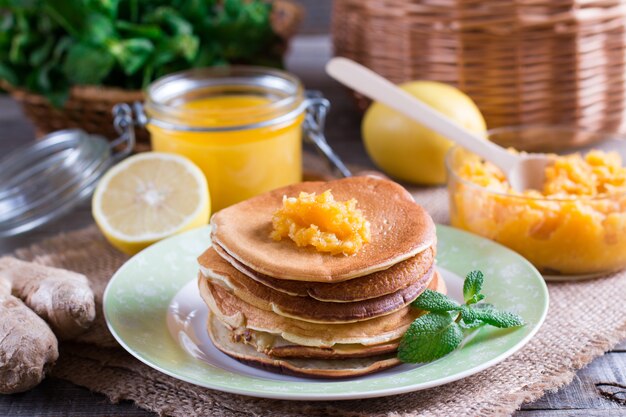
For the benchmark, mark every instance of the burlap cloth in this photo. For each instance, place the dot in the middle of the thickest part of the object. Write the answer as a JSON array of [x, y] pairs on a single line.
[[585, 319]]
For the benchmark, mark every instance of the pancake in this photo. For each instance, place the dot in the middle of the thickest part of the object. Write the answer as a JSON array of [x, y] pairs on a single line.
[[220, 335], [237, 314], [278, 347], [400, 229], [387, 281], [219, 271]]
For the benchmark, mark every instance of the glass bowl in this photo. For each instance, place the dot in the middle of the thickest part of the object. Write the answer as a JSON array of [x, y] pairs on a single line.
[[576, 238]]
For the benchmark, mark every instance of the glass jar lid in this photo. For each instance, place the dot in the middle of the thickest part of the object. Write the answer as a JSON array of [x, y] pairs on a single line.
[[49, 177]]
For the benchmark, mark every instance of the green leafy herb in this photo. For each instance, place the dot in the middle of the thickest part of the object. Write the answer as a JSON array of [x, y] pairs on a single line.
[[85, 64], [48, 46], [131, 54], [496, 318], [431, 336], [472, 286], [441, 331], [435, 301]]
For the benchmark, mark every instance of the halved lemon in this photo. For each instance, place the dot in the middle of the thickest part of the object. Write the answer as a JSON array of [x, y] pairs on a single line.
[[148, 197]]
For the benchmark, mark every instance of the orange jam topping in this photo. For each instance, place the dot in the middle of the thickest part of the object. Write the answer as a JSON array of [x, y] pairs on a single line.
[[597, 173], [320, 221]]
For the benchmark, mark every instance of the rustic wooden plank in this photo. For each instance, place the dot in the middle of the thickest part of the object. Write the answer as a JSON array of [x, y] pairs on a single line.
[[317, 16], [573, 413], [9, 112], [307, 58], [604, 375], [621, 347], [55, 397]]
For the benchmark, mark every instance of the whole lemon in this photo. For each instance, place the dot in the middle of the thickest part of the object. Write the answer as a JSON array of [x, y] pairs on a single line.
[[405, 149]]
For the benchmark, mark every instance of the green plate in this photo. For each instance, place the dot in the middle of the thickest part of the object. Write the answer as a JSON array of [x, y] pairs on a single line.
[[153, 309]]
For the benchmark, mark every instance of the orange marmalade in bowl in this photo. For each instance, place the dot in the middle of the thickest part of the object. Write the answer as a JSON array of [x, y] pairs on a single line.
[[576, 225]]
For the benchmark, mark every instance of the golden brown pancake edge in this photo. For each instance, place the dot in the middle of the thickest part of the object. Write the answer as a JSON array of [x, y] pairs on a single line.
[[400, 229], [376, 284], [302, 367], [276, 346], [308, 309], [237, 314]]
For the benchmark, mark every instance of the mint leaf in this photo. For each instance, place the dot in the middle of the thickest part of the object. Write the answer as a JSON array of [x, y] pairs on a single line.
[[473, 325], [472, 286], [501, 319], [476, 298], [430, 337], [431, 300], [468, 320]]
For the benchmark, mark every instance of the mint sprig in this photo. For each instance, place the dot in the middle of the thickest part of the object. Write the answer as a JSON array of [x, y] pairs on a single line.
[[435, 302], [472, 286], [496, 318], [431, 336], [442, 330]]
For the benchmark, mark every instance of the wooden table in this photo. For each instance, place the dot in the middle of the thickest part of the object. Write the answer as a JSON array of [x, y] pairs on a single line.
[[598, 390]]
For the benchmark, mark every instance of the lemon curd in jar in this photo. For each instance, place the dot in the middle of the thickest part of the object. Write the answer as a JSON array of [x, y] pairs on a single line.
[[241, 126]]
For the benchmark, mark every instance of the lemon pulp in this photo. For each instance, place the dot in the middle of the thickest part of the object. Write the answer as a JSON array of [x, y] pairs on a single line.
[[148, 197]]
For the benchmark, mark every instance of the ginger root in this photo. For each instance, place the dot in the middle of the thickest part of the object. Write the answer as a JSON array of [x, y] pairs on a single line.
[[28, 348], [62, 298]]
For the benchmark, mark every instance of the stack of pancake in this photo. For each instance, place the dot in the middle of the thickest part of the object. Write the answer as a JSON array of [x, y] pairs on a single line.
[[300, 311]]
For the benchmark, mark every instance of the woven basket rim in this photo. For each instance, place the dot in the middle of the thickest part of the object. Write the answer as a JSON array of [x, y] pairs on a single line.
[[79, 92]]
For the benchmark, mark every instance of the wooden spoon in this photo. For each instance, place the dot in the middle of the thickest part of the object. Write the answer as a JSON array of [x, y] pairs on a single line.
[[523, 171]]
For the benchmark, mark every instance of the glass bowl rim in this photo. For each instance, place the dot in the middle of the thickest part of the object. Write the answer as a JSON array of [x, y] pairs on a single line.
[[451, 173]]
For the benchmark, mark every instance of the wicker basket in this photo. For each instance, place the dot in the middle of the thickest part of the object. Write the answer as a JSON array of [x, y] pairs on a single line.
[[522, 61], [89, 107]]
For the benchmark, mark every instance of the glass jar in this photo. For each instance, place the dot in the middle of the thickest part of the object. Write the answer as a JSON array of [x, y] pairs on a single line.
[[241, 125]]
